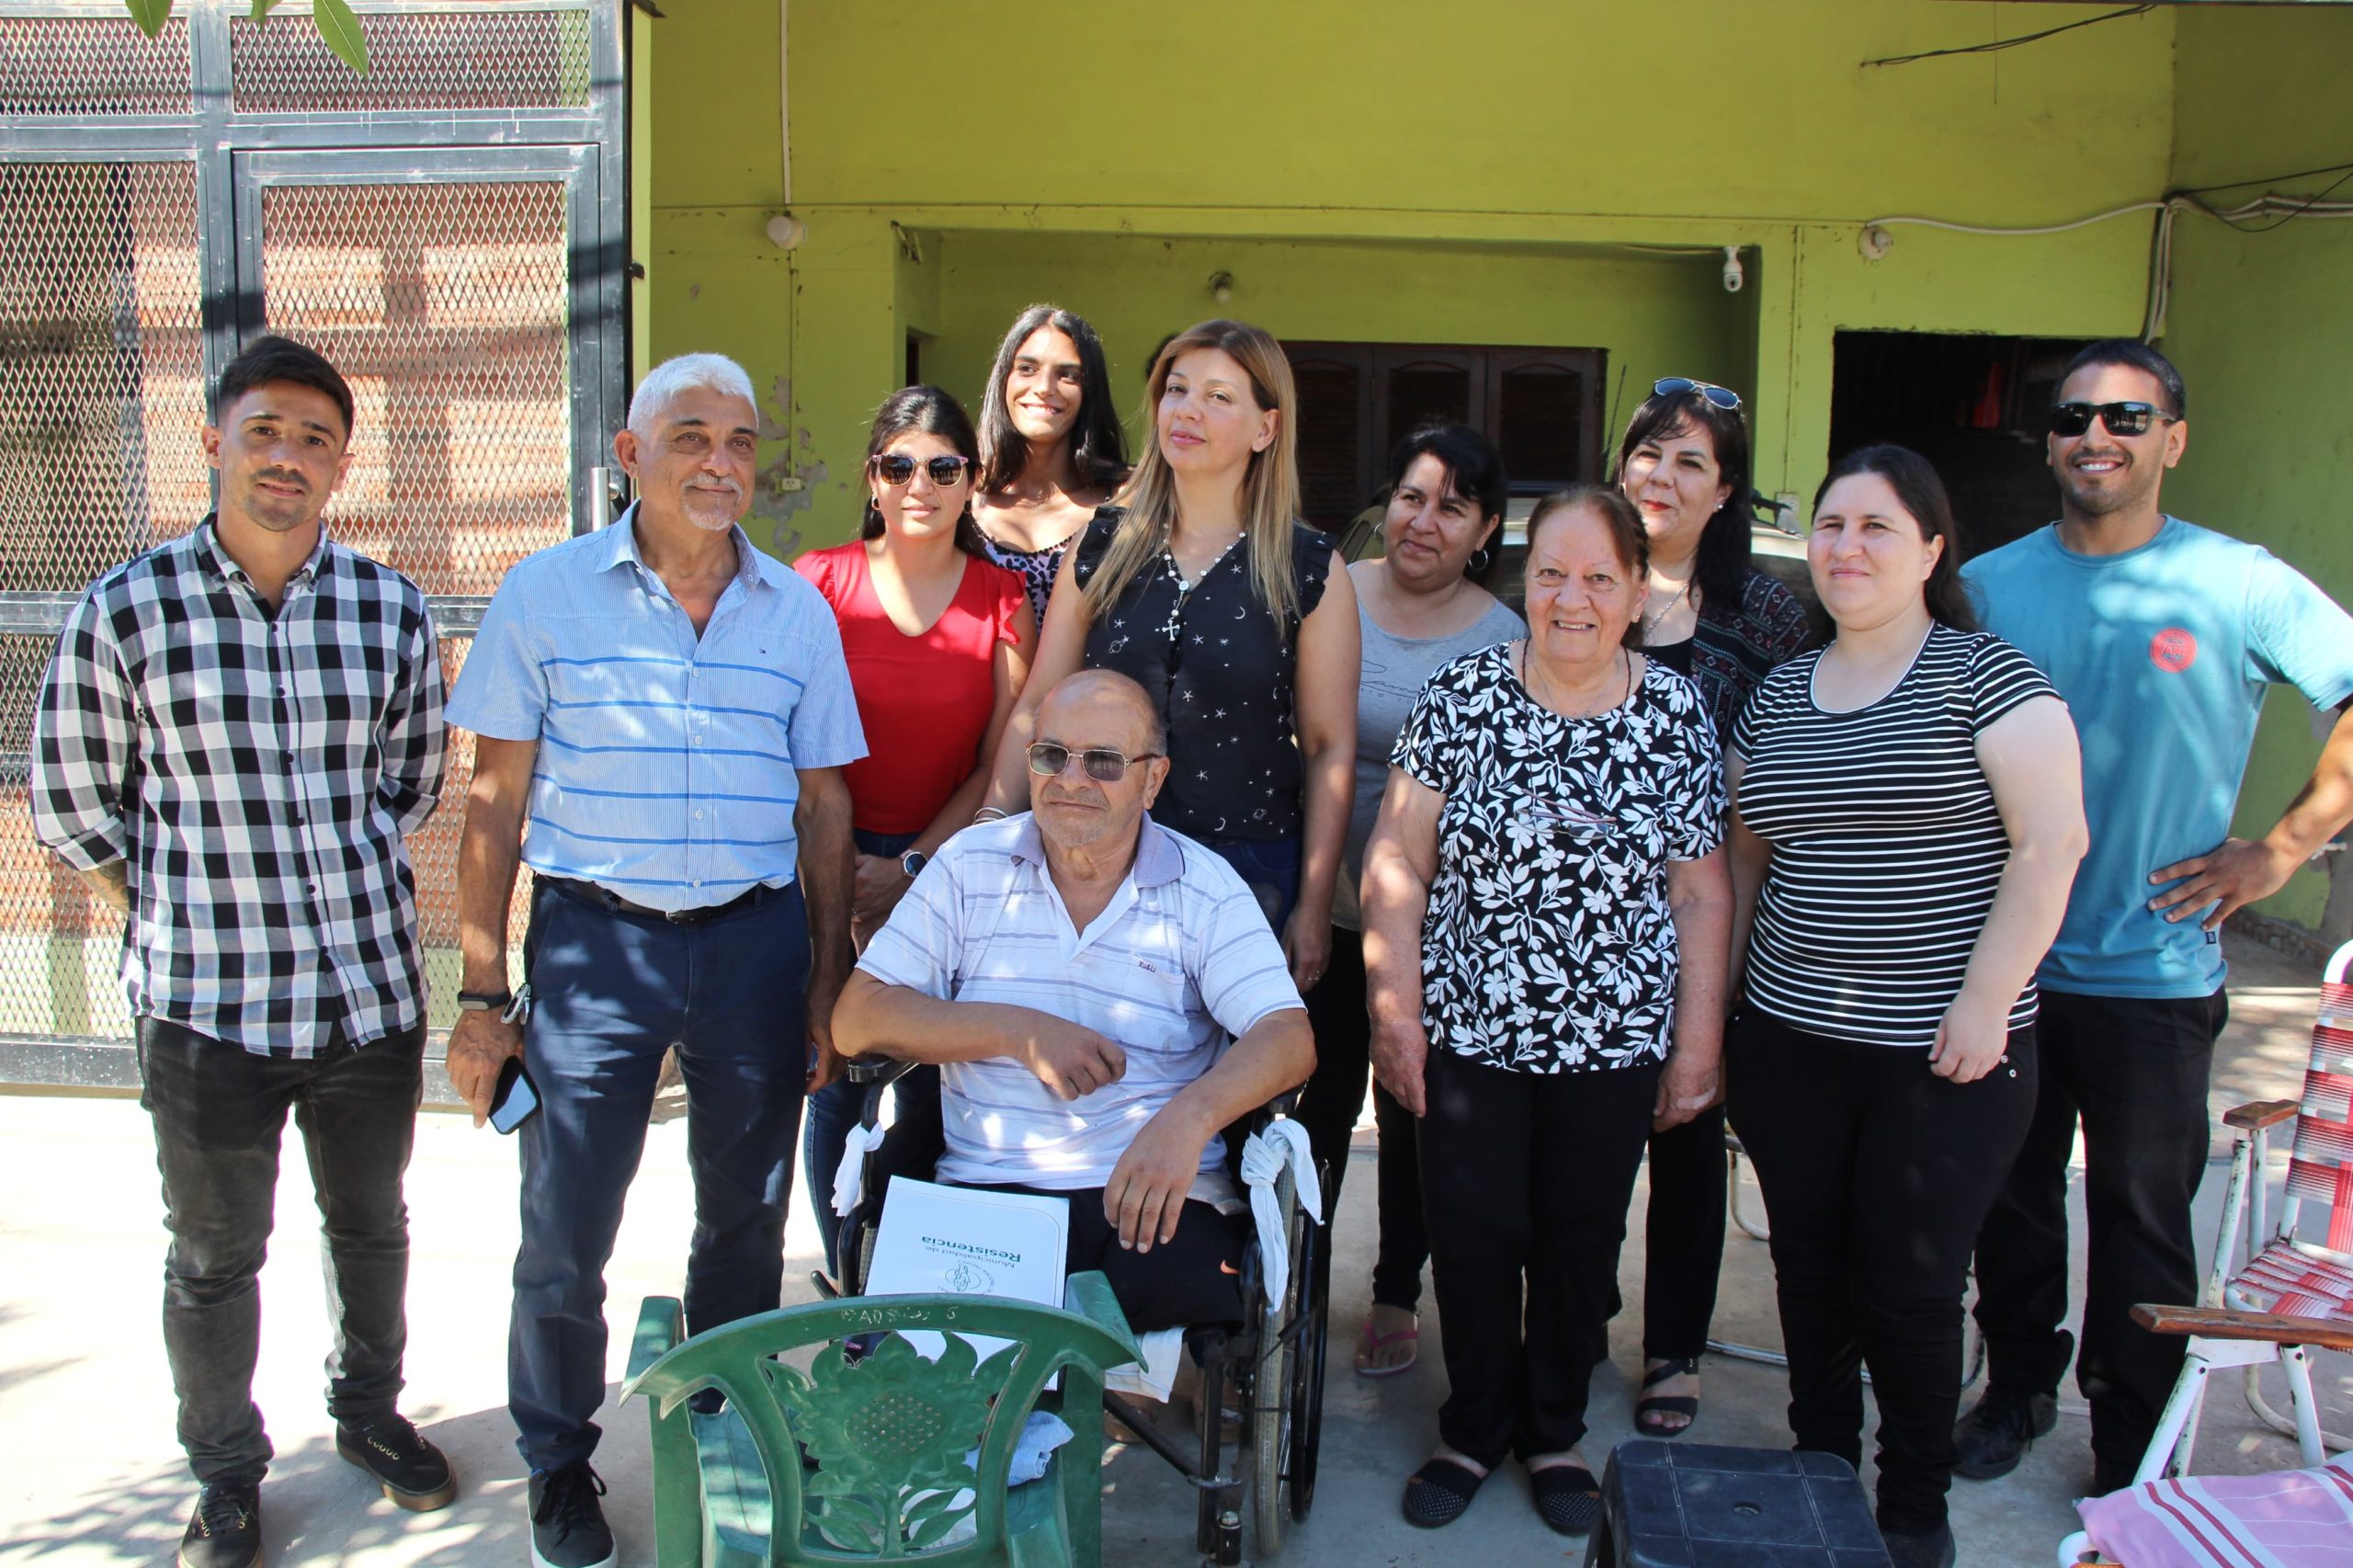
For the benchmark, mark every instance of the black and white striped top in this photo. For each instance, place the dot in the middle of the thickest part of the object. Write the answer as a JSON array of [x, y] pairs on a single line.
[[1887, 843]]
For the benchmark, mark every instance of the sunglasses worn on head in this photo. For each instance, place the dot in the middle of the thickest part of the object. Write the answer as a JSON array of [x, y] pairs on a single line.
[[893, 467], [1103, 765], [1675, 386], [2121, 418]]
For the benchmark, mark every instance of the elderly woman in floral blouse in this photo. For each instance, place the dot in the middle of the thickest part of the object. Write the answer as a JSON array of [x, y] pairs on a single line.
[[1547, 915]]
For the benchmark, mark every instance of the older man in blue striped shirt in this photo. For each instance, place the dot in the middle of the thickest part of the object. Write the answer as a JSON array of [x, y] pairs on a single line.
[[670, 710], [1103, 997]]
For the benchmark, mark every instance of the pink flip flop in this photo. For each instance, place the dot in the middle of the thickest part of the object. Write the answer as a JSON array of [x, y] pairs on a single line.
[[1368, 1342]]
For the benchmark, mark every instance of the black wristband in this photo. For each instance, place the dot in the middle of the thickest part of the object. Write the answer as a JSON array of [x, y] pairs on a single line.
[[486, 1001]]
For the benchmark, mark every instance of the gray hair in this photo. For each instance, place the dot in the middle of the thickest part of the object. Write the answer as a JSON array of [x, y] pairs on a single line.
[[666, 380]]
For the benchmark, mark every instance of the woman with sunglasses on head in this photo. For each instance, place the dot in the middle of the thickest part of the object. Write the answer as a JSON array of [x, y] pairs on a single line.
[[1051, 449], [1907, 818], [939, 642], [1203, 585], [1546, 914], [1707, 614], [1422, 604]]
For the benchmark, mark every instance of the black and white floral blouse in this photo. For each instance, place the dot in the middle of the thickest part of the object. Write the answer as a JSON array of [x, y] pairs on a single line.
[[1548, 946]]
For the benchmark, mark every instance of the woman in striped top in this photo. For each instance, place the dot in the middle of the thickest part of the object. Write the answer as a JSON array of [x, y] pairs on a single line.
[[1908, 816]]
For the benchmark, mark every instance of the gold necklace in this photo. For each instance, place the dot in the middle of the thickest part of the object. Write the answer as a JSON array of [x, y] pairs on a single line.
[[1528, 667]]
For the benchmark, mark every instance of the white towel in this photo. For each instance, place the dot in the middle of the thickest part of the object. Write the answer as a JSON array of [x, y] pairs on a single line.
[[1264, 1155], [849, 1176]]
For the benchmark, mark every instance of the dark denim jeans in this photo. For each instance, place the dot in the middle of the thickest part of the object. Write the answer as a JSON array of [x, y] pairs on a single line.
[[220, 1116], [611, 992], [1271, 868]]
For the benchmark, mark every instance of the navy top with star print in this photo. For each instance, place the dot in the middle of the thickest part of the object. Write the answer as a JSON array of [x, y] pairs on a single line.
[[1219, 667]]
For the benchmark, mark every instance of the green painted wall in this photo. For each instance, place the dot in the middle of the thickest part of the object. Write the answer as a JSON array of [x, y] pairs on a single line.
[[1385, 171], [2262, 328]]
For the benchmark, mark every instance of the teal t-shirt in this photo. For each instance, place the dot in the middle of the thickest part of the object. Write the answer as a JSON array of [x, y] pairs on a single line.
[[2163, 655]]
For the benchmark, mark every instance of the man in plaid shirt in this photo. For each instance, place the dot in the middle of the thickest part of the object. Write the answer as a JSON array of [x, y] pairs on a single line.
[[238, 729]]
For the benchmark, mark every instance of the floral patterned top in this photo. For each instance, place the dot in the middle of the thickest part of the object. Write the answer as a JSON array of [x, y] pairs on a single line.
[[1548, 946]]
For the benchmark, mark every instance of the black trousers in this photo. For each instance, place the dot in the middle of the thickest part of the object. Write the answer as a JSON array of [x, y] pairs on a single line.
[[1683, 1236], [1876, 1173], [2135, 1072], [1526, 1177], [1191, 1280], [1328, 1107], [220, 1116]]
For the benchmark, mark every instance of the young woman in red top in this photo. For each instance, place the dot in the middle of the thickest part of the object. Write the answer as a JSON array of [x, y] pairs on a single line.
[[938, 642]]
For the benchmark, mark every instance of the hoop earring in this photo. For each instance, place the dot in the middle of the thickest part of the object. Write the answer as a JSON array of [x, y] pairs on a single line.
[[1477, 562]]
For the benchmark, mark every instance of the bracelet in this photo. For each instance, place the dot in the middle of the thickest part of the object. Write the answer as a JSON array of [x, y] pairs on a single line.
[[987, 814]]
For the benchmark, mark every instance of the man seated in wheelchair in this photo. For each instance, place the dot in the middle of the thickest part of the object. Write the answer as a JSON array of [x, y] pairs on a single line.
[[1077, 972]]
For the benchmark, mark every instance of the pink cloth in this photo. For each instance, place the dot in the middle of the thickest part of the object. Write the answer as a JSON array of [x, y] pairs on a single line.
[[2291, 1519]]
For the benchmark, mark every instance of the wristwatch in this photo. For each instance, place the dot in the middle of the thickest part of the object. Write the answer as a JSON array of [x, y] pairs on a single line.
[[484, 1001], [913, 862]]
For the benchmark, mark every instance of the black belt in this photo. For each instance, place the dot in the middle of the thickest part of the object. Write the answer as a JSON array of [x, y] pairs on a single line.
[[604, 898]]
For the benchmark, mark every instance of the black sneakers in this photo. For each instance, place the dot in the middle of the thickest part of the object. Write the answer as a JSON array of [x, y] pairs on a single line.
[[1931, 1548], [225, 1530], [568, 1528], [412, 1471], [1998, 1430]]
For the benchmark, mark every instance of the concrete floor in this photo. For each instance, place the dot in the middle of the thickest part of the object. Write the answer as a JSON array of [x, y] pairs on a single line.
[[90, 1473]]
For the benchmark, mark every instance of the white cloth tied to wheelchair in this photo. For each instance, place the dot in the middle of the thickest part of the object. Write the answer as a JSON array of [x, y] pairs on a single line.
[[1264, 1155], [849, 1176]]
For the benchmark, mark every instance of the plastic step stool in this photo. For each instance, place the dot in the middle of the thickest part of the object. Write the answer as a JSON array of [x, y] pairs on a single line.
[[1691, 1505]]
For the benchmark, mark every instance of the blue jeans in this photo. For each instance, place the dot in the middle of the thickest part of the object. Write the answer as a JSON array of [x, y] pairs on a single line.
[[1271, 868], [611, 992]]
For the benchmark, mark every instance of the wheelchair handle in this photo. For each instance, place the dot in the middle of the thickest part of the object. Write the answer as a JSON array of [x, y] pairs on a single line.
[[879, 1069]]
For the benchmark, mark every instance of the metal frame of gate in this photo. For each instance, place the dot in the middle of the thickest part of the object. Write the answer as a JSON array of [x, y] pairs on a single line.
[[350, 131]]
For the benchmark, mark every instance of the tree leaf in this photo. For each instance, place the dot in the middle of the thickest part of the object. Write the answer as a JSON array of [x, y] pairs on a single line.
[[340, 30], [151, 15]]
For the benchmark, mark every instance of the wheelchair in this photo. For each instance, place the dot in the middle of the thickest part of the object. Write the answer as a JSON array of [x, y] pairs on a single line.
[[1270, 1367]]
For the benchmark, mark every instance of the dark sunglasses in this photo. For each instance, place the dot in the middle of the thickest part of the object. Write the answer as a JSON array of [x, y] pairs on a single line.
[[893, 467], [2121, 418], [1675, 386], [1103, 765]]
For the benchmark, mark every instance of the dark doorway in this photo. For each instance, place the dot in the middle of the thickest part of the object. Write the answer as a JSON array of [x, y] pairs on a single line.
[[1972, 405], [1541, 407]]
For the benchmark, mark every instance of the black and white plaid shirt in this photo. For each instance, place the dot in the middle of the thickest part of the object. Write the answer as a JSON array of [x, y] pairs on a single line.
[[258, 772]]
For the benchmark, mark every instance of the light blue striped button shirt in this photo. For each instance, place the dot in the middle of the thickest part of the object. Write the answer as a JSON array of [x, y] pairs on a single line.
[[666, 762]]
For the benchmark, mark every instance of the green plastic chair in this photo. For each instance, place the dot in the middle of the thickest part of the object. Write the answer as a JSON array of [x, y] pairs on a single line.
[[888, 1434]]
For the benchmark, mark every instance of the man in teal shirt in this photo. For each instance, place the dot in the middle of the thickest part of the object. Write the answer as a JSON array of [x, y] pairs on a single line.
[[2163, 637]]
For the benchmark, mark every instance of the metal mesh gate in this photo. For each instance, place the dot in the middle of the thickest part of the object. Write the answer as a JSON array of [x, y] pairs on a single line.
[[447, 230]]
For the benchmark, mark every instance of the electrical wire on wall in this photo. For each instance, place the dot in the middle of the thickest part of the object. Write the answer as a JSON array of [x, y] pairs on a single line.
[[2262, 215]]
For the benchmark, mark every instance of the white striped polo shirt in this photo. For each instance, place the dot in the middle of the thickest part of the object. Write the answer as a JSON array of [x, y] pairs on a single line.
[[1179, 962]]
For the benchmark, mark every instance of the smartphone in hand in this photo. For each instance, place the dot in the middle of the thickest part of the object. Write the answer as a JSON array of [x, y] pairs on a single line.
[[516, 1100]]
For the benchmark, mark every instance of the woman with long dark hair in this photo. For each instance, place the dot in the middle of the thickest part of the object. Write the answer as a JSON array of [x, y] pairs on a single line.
[[1421, 603], [1204, 586], [1907, 817], [1051, 449], [939, 642], [1708, 614]]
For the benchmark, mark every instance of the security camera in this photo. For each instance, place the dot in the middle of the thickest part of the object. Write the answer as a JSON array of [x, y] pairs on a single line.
[[1733, 276]]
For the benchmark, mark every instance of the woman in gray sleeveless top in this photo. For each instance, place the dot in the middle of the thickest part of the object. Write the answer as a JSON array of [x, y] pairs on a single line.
[[1419, 606]]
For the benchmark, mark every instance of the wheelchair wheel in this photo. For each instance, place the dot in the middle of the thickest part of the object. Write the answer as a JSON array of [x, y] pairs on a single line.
[[1307, 1368], [1273, 1394]]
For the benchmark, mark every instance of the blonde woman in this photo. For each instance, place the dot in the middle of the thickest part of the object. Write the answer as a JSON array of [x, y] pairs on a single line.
[[1202, 585]]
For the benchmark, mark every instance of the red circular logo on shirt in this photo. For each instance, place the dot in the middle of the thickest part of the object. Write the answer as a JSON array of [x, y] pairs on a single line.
[[2173, 650]]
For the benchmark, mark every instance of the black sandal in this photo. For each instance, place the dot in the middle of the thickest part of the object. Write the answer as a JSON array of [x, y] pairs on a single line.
[[1437, 1493], [1648, 1410], [1567, 1497]]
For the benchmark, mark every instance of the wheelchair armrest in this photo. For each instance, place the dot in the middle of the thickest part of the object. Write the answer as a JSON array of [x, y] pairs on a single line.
[[2259, 1114], [661, 1325], [2224, 1323], [875, 1070]]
